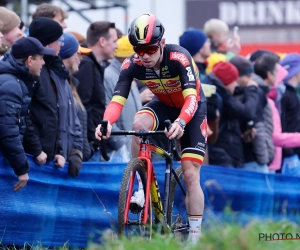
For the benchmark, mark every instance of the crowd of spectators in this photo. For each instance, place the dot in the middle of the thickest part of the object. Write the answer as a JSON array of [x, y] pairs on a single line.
[[54, 93]]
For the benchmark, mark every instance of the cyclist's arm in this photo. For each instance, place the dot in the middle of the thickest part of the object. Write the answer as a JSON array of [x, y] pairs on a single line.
[[190, 83], [121, 92]]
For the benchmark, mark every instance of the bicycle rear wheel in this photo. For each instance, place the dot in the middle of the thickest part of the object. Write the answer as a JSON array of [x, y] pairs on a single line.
[[134, 225], [177, 217]]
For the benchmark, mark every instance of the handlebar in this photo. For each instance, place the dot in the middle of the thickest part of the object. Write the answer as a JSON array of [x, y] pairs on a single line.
[[139, 133]]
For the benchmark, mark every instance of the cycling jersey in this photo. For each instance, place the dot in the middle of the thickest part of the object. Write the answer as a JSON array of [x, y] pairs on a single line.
[[177, 83], [177, 91]]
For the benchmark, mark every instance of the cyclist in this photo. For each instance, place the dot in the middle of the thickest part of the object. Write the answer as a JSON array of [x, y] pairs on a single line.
[[170, 73]]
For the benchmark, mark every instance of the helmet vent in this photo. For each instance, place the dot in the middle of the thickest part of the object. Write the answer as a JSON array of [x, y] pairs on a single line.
[[146, 31], [137, 32]]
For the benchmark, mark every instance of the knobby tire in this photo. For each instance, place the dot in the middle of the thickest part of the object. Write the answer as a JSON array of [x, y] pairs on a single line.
[[130, 230], [177, 217]]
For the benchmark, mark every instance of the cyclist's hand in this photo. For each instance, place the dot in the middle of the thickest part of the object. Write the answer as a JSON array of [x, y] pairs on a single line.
[[98, 133], [175, 131], [23, 179]]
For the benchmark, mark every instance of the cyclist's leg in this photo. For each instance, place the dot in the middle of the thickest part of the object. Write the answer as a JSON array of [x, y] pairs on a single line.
[[193, 145], [148, 118]]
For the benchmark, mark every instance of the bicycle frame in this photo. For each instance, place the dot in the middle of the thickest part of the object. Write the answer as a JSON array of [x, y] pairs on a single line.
[[160, 210], [151, 185]]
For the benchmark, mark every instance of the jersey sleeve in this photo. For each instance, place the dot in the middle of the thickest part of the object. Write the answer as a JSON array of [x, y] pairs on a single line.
[[121, 92], [190, 84]]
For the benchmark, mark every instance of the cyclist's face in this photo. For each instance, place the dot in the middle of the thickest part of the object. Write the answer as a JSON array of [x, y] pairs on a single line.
[[150, 60]]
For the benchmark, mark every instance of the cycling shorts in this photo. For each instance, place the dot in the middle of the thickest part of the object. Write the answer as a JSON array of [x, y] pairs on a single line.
[[193, 142]]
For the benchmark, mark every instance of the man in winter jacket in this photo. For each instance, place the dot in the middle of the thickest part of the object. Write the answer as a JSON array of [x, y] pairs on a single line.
[[102, 40], [18, 70], [55, 132]]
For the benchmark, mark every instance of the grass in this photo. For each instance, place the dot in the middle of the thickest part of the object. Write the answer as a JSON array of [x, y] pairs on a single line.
[[217, 235]]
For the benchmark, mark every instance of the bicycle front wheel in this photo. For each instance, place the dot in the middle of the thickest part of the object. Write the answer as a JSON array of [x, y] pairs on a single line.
[[177, 217], [133, 225]]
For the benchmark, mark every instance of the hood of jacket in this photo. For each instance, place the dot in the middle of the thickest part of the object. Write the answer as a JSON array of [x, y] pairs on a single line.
[[9, 65]]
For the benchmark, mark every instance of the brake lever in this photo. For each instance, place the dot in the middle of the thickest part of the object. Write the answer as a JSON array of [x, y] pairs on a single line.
[[175, 153], [103, 130]]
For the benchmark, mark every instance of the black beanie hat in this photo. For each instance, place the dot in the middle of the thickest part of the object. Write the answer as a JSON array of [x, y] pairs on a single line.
[[257, 54], [243, 65], [45, 30]]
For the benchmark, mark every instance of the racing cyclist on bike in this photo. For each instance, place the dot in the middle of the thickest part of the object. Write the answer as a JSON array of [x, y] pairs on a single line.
[[169, 71]]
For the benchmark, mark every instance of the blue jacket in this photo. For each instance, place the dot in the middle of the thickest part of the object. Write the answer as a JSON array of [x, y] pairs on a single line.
[[54, 128], [14, 101]]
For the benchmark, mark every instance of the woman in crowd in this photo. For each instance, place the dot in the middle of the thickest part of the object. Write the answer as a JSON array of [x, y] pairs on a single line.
[[71, 54]]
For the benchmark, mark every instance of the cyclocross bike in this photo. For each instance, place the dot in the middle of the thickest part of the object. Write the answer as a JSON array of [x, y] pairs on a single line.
[[164, 216]]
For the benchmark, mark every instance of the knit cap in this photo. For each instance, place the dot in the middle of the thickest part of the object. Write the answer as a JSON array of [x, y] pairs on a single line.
[[125, 48], [243, 65], [192, 40], [226, 72], [9, 20], [291, 62], [45, 30], [70, 47]]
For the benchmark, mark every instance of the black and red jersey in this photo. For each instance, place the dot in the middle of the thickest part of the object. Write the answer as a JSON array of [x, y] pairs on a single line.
[[176, 84]]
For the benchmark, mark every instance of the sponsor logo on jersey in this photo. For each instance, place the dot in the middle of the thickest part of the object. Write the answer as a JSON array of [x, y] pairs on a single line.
[[125, 64], [172, 83], [152, 85], [164, 91], [192, 107], [203, 128], [190, 74], [179, 57], [165, 70]]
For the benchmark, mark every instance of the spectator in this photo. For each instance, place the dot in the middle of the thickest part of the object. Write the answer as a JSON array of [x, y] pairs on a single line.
[[198, 45], [266, 66], [70, 55], [10, 29], [217, 32], [281, 140], [60, 102], [228, 149], [102, 40], [119, 148], [48, 105], [83, 50], [290, 104], [51, 11], [260, 151], [18, 69]]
